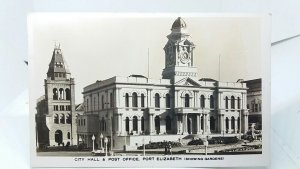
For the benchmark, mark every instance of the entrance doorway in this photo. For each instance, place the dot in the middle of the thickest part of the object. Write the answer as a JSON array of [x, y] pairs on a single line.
[[58, 136]]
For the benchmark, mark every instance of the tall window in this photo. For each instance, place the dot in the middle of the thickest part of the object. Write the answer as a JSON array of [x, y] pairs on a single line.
[[187, 100], [157, 100], [61, 94], [135, 123], [68, 94], [232, 102], [102, 102], [56, 118], [126, 100], [69, 135], [202, 101], [142, 124], [94, 104], [142, 100], [111, 100], [69, 119], [168, 101], [87, 104], [55, 94], [226, 103], [239, 103], [212, 103], [62, 119], [134, 100]]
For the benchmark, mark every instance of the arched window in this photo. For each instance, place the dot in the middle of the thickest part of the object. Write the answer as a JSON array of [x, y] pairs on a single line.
[[239, 103], [62, 119], [168, 101], [111, 100], [187, 100], [68, 94], [227, 124], [232, 122], [212, 103], [168, 123], [61, 94], [55, 94], [126, 100], [134, 100], [226, 103], [69, 119], [232, 102], [135, 123], [142, 100], [157, 100], [142, 124], [127, 124], [56, 118], [202, 101], [69, 135]]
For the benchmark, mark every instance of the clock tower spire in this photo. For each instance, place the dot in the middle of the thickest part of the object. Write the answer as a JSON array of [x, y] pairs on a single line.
[[179, 61]]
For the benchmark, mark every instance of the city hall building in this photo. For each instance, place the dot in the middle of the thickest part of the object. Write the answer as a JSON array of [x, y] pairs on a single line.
[[135, 109]]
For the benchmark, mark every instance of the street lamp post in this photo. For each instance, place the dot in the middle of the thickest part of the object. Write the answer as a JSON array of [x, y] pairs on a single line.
[[93, 138], [105, 141], [101, 137], [144, 151]]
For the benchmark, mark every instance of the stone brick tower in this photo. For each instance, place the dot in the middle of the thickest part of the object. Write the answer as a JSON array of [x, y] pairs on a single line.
[[60, 101]]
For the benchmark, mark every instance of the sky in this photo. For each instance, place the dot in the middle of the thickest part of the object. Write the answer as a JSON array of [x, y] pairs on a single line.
[[100, 46]]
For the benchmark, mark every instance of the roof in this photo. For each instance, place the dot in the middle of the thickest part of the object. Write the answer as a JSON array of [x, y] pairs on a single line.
[[57, 63], [207, 79], [178, 23], [133, 75]]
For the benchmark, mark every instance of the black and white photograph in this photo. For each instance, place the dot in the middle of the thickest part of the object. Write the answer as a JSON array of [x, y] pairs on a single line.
[[127, 90]]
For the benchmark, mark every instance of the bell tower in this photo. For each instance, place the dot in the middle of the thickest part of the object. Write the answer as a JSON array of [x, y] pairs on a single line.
[[179, 58], [60, 99]]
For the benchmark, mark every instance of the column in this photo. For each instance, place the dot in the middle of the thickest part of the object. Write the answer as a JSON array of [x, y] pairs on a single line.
[[198, 124], [130, 125], [208, 123], [229, 125], [235, 125], [205, 124], [184, 124], [179, 129], [246, 124], [120, 124], [117, 100], [151, 124], [221, 121], [139, 126]]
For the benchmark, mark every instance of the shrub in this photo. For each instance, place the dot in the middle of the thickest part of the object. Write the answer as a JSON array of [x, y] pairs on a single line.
[[156, 145], [196, 142]]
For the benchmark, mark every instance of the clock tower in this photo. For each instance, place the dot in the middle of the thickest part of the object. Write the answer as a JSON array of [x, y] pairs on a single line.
[[179, 50]]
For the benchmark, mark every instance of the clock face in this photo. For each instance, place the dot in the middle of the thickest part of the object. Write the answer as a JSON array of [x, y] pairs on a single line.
[[184, 57]]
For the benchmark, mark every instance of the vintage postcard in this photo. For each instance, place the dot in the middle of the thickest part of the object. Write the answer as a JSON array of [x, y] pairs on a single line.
[[149, 90]]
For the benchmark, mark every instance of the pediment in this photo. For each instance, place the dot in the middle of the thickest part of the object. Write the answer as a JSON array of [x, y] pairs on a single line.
[[187, 82]]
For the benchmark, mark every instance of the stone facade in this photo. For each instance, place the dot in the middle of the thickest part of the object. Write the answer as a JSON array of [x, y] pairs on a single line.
[[130, 109], [56, 114], [254, 102]]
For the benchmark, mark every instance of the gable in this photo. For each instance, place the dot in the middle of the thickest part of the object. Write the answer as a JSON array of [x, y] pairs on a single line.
[[187, 82]]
